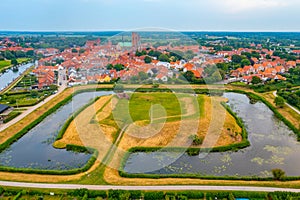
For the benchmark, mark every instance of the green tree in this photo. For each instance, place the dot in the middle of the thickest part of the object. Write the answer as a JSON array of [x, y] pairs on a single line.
[[279, 102], [34, 94], [109, 66], [163, 58], [12, 101], [14, 62], [148, 59], [20, 54], [119, 67], [245, 62], [196, 139], [81, 51], [143, 76], [74, 51], [30, 53], [278, 174], [237, 59], [189, 76], [8, 55], [255, 80]]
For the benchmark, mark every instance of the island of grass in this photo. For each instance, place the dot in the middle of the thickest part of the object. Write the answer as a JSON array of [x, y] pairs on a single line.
[[150, 121]]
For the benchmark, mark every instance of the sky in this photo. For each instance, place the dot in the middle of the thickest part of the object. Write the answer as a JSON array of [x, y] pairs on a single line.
[[190, 15]]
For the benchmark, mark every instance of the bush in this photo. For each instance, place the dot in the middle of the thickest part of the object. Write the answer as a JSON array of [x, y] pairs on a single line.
[[192, 194], [154, 196], [94, 194]]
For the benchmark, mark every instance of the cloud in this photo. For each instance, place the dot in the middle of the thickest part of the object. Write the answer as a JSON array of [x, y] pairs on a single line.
[[238, 6]]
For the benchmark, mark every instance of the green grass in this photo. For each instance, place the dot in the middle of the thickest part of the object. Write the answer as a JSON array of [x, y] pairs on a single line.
[[21, 60], [4, 63], [140, 106], [7, 63], [165, 107]]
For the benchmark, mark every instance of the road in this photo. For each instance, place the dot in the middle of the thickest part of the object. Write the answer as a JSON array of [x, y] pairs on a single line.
[[295, 109], [163, 187]]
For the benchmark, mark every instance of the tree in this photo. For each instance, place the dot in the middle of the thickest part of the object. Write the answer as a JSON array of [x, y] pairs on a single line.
[[279, 102], [81, 51], [278, 174], [189, 76], [237, 58], [20, 54], [12, 101], [119, 67], [163, 58], [245, 62], [148, 59], [143, 76], [196, 139], [74, 51], [34, 94], [109, 66], [255, 80], [14, 62], [30, 53], [8, 55]]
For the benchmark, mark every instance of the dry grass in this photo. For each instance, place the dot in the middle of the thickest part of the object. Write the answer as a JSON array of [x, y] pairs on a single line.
[[217, 126]]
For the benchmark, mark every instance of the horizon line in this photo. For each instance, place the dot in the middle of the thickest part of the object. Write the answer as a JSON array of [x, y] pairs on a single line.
[[136, 30]]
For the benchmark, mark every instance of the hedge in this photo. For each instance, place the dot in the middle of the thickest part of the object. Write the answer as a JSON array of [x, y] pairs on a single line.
[[11, 116]]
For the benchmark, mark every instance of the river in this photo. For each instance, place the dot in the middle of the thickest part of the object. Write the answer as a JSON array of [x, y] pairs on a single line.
[[9, 76]]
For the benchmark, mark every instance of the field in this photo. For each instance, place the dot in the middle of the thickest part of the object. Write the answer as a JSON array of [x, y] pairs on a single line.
[[4, 63], [149, 120]]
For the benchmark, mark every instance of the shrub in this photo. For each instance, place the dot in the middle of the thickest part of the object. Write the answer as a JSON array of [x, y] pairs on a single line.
[[154, 196]]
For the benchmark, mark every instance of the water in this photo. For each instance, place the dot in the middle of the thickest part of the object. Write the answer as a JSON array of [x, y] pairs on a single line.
[[273, 145], [9, 76], [34, 150]]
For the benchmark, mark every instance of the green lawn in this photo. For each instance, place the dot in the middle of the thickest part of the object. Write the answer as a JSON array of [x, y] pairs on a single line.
[[165, 106], [4, 63], [21, 60]]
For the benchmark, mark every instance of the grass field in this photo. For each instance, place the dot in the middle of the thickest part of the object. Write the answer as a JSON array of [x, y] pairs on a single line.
[[4, 63]]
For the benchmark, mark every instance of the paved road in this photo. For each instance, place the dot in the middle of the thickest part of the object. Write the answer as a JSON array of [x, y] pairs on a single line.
[[27, 112], [178, 187], [295, 109]]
